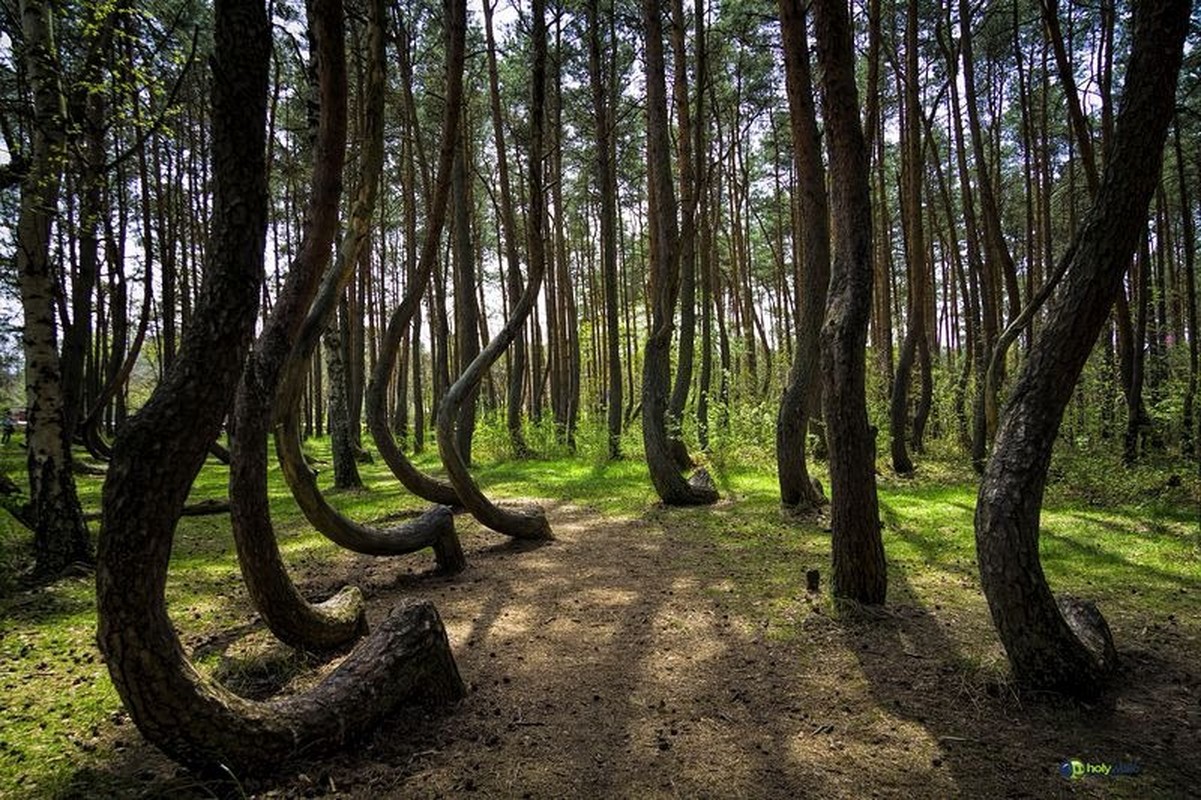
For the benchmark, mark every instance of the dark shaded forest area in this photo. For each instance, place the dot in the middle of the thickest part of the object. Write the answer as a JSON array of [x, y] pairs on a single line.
[[795, 400]]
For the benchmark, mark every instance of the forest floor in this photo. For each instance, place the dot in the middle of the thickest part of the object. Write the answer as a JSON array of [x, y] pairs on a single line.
[[669, 653]]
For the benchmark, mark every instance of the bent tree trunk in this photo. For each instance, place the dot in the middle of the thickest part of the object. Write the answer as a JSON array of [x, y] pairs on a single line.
[[527, 522], [859, 568], [800, 396], [60, 536], [1046, 650], [159, 452], [673, 489], [375, 401]]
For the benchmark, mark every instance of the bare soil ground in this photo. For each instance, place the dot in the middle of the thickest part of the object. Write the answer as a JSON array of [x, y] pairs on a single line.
[[617, 661]]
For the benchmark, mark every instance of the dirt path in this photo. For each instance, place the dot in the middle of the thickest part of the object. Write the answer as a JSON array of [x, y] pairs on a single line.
[[612, 663]]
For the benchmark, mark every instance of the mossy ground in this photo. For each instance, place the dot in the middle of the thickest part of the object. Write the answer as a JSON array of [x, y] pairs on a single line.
[[695, 652]]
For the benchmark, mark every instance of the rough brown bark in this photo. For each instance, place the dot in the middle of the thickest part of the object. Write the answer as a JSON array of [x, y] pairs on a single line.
[[796, 487], [289, 616], [525, 522], [157, 456], [859, 568], [1046, 651]]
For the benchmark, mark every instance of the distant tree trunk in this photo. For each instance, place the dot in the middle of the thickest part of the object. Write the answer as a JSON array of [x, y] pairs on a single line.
[[1136, 413], [60, 535], [859, 570], [688, 160], [607, 188], [1188, 433], [672, 488], [157, 456], [336, 341], [467, 332], [1047, 650], [800, 396], [915, 248]]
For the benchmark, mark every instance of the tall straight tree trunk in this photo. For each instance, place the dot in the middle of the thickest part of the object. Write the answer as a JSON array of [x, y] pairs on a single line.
[[1046, 649], [859, 570], [687, 159], [796, 487], [1188, 442], [915, 248], [60, 534], [671, 486]]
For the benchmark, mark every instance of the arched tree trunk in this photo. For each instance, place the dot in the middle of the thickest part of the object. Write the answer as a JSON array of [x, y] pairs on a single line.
[[527, 522], [671, 486], [159, 452], [796, 487], [859, 569], [1047, 650]]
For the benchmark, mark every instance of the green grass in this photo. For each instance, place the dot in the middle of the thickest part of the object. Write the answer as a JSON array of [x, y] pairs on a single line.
[[1139, 556]]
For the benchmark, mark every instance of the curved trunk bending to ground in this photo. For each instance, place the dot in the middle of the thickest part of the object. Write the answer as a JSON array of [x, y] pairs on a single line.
[[528, 521], [158, 454], [416, 481], [1047, 649]]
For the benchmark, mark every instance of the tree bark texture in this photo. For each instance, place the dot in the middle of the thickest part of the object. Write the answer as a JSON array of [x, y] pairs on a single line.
[[859, 571], [1045, 651], [158, 454]]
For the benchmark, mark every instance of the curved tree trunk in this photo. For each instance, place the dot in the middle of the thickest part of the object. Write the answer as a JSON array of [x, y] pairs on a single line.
[[417, 482], [671, 486], [527, 522], [156, 458], [859, 567], [289, 616], [796, 487], [60, 535], [1047, 650]]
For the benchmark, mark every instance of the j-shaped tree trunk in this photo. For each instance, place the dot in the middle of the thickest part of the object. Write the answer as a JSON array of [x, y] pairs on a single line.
[[527, 522], [859, 568], [60, 535], [801, 395], [416, 481], [673, 489], [1046, 649], [158, 454]]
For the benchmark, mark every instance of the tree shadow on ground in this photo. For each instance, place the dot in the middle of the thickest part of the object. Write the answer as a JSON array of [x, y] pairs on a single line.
[[994, 741]]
